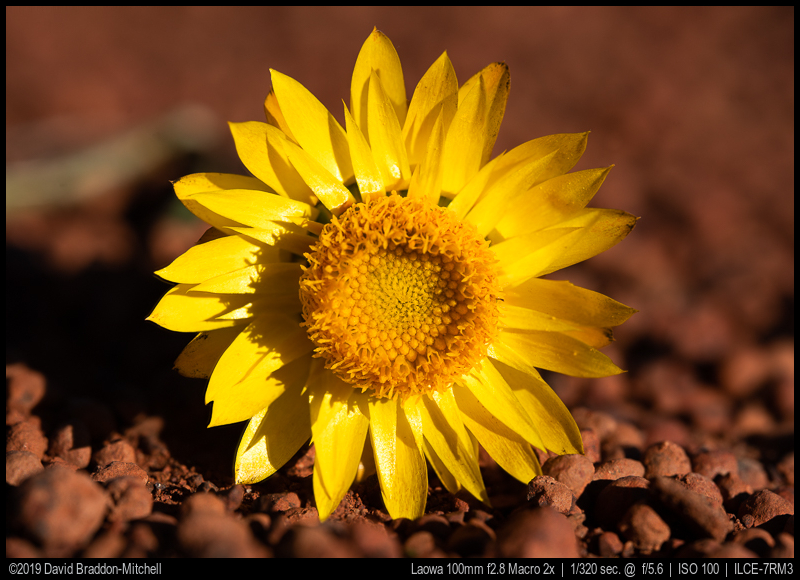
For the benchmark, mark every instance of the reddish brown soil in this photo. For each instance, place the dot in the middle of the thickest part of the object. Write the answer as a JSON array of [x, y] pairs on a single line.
[[689, 453]]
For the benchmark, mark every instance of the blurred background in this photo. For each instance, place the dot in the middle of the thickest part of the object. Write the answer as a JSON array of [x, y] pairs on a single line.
[[694, 107]]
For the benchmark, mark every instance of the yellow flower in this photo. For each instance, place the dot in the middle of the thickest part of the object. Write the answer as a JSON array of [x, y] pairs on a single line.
[[380, 284]]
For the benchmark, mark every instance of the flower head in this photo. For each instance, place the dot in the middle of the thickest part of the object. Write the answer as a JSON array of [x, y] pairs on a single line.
[[381, 285]]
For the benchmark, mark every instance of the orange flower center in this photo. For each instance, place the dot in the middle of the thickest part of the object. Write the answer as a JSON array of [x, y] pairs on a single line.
[[400, 297]]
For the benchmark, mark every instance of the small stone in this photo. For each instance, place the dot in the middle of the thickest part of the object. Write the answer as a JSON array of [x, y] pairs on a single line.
[[119, 469], [574, 471], [24, 388], [713, 463], [616, 468], [60, 509], [205, 534], [471, 540], [644, 527], [27, 436], [609, 544], [20, 465], [755, 539], [278, 502], [702, 485], [120, 450], [666, 459], [537, 533], [316, 542], [203, 503], [784, 546], [132, 500], [420, 544], [734, 491], [543, 490], [765, 505], [374, 541], [618, 497], [601, 423], [703, 517], [71, 443], [591, 445], [233, 497], [752, 473]]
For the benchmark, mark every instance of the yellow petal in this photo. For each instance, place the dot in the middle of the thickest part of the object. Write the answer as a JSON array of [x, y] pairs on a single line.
[[272, 110], [527, 256], [238, 385], [552, 351], [444, 430], [463, 149], [522, 318], [399, 459], [339, 429], [200, 356], [555, 200], [600, 229], [314, 128], [273, 436], [181, 310], [566, 301], [385, 138], [261, 147], [428, 176], [507, 448], [496, 83], [469, 195], [275, 278], [449, 481], [522, 168], [555, 424], [328, 188], [213, 258], [437, 87], [202, 182], [368, 176], [254, 208], [491, 389], [281, 236], [377, 54]]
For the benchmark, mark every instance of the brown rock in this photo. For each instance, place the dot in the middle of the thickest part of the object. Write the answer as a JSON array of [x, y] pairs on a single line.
[[784, 546], [205, 534], [233, 497], [591, 445], [24, 388], [644, 527], [574, 471], [420, 544], [665, 459], [616, 468], [26, 436], [701, 515], [537, 533], [279, 502], [120, 451], [471, 540], [713, 463], [601, 423], [20, 465], [765, 505], [618, 497], [132, 500], [755, 539], [203, 503], [60, 509], [752, 473], [374, 541], [609, 544], [734, 491], [543, 490], [316, 542], [119, 469], [702, 485], [71, 443]]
